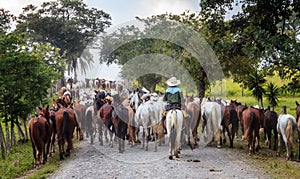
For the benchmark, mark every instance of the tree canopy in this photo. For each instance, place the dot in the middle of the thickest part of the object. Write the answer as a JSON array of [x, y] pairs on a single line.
[[66, 24]]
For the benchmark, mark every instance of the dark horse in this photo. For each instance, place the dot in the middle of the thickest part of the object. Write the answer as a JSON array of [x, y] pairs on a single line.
[[270, 124], [66, 122], [298, 123], [230, 117], [239, 109], [115, 118], [252, 120], [39, 130]]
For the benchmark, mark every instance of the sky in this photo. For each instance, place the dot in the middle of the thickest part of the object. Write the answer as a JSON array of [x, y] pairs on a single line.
[[121, 11]]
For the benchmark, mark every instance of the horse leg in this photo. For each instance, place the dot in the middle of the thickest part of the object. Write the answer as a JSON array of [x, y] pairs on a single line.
[[223, 132], [100, 132], [177, 142], [147, 135], [268, 138], [61, 148], [276, 139], [143, 146], [230, 136], [279, 145]]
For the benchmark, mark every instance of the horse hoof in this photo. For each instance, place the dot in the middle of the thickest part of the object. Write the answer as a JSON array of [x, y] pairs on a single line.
[[171, 157], [219, 146]]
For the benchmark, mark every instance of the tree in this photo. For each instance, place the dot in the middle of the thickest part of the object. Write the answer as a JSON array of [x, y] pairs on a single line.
[[255, 82], [272, 93], [66, 24], [24, 79]]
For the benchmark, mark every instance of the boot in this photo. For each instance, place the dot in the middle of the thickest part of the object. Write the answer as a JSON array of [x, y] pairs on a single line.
[[163, 124]]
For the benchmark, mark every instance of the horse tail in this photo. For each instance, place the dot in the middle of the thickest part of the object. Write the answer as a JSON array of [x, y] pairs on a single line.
[[66, 126], [234, 120], [290, 133], [173, 132]]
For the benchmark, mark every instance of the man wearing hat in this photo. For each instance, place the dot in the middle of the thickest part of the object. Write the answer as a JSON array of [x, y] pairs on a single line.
[[173, 96]]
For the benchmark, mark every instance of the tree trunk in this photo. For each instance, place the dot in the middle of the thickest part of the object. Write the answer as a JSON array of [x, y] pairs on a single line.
[[25, 126], [202, 85], [20, 131], [7, 137], [2, 143], [13, 135]]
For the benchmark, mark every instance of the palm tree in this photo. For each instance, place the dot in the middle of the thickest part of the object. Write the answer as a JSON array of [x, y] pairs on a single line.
[[272, 93], [255, 82]]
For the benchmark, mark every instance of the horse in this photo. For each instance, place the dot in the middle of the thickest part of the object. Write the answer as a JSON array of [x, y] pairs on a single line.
[[53, 130], [298, 123], [270, 124], [239, 109], [147, 117], [251, 122], [131, 126], [193, 120], [120, 121], [230, 117], [211, 112], [80, 111], [115, 118], [66, 121], [39, 130], [285, 126], [174, 122]]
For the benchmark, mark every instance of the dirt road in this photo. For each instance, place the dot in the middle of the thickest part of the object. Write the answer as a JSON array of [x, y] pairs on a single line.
[[95, 161]]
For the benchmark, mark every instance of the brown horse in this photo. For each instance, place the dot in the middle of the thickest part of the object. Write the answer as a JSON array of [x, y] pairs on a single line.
[[66, 122], [53, 131], [80, 111], [298, 123], [239, 109], [270, 124], [251, 122], [115, 118], [39, 131], [192, 122], [230, 117]]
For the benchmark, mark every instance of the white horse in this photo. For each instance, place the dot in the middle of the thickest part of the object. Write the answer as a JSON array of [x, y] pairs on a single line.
[[211, 113], [174, 121], [286, 126], [146, 117]]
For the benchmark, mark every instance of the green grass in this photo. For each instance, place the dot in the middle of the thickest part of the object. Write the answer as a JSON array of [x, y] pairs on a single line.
[[17, 162]]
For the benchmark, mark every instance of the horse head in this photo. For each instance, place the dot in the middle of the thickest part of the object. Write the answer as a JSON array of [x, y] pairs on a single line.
[[45, 112]]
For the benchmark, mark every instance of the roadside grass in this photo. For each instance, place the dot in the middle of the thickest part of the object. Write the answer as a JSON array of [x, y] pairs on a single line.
[[266, 159], [19, 163]]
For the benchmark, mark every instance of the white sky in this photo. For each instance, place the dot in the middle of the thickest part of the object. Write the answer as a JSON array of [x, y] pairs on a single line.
[[121, 11]]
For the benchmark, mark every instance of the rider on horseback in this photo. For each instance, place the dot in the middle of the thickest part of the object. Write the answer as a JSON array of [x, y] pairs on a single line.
[[174, 98]]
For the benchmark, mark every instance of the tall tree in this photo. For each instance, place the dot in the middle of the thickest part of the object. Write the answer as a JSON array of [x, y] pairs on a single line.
[[67, 24]]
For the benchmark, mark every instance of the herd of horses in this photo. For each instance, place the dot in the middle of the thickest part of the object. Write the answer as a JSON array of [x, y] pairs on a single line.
[[116, 118]]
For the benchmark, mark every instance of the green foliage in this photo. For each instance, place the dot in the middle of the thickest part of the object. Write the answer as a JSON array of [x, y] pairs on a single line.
[[67, 25], [255, 82], [24, 77], [272, 93]]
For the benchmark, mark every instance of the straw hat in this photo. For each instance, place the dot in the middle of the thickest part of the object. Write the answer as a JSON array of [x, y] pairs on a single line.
[[173, 82]]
